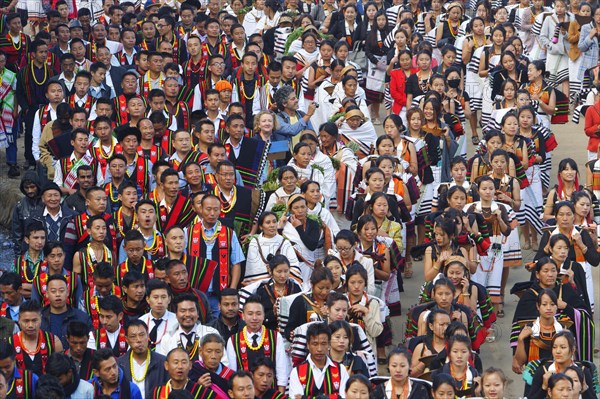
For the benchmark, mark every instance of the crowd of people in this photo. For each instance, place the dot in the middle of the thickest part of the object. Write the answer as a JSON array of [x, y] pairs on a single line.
[[223, 200]]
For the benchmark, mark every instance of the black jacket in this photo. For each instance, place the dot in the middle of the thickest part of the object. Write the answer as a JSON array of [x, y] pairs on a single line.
[[116, 75], [156, 375], [67, 215], [23, 210], [72, 315]]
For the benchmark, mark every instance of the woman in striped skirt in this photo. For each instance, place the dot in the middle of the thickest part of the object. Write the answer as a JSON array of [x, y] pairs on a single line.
[[489, 59], [508, 192], [553, 36], [471, 52], [532, 195]]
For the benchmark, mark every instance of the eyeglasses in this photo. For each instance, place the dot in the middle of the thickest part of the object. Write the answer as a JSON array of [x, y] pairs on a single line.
[[219, 64], [344, 249]]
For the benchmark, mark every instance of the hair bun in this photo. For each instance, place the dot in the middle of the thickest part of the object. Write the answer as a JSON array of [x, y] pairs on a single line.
[[269, 257]]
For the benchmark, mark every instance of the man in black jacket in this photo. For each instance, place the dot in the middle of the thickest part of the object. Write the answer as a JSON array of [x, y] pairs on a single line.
[[30, 187], [54, 215], [57, 315], [150, 363]]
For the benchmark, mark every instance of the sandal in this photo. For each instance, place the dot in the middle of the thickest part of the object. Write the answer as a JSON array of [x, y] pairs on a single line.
[[500, 312], [475, 140], [381, 361], [408, 271], [526, 245]]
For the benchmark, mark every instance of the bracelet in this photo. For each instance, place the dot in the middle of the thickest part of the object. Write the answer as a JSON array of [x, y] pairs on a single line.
[[467, 295], [436, 268]]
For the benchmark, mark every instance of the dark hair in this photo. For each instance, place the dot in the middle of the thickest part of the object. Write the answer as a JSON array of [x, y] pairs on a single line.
[[187, 297], [346, 235], [556, 378], [7, 351], [441, 282], [458, 339], [262, 361], [59, 364], [562, 204], [549, 293], [363, 221], [253, 299], [431, 318], [284, 169], [104, 270], [135, 323], [100, 356], [544, 261], [30, 306], [568, 335], [399, 350], [78, 329], [320, 274], [239, 374], [133, 276], [34, 225], [442, 379], [276, 260], [357, 269], [316, 329], [361, 379], [499, 152], [111, 303], [59, 277], [51, 245], [334, 297], [156, 284], [12, 279], [228, 292], [558, 237]]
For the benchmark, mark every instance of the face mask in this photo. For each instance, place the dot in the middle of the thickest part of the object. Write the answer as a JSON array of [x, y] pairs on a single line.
[[454, 83]]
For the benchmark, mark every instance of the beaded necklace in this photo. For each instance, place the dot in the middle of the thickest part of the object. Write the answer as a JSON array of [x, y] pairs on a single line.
[[133, 370]]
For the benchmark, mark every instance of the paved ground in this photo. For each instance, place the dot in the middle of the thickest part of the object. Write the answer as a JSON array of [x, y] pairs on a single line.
[[572, 143]]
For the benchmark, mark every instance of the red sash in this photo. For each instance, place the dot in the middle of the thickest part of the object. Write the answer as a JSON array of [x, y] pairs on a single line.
[[103, 342], [46, 348], [4, 310], [121, 114], [44, 114], [192, 69], [241, 347], [202, 274], [166, 142], [181, 213], [23, 269], [87, 106], [102, 158], [153, 153], [331, 381], [147, 269]]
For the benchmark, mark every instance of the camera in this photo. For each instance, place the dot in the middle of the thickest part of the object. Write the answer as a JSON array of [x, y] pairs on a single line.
[[496, 247]]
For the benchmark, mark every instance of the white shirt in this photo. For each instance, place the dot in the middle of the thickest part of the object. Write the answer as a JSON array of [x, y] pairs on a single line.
[[282, 361], [54, 217], [167, 327], [172, 341], [112, 339], [60, 179], [236, 149], [68, 83], [37, 130], [138, 370], [296, 388]]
